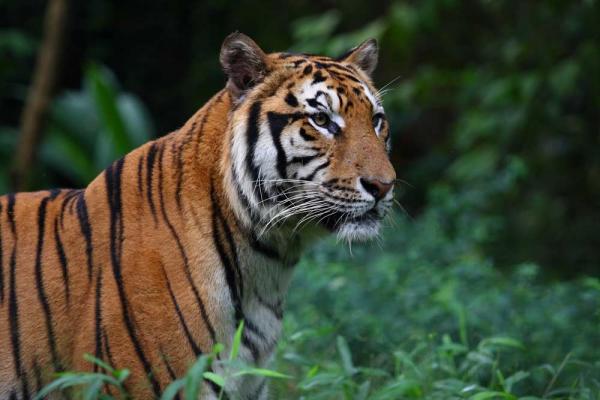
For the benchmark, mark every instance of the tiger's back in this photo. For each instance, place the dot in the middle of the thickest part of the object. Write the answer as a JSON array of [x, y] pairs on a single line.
[[76, 263], [167, 251]]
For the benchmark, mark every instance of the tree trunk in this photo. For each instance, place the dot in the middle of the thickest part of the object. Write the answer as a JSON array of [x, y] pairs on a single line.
[[40, 93]]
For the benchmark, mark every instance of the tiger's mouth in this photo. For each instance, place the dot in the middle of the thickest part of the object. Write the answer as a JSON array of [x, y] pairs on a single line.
[[337, 220]]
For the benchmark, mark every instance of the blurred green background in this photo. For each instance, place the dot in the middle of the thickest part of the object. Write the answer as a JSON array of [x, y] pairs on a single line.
[[485, 283]]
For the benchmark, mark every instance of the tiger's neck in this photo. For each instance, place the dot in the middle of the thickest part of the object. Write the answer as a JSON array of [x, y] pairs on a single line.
[[257, 269]]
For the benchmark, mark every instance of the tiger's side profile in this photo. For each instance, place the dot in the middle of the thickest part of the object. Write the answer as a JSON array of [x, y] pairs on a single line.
[[171, 247]]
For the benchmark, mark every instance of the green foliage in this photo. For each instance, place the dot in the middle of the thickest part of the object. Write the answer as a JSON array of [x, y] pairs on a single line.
[[91, 128], [101, 385], [429, 317], [88, 385], [87, 130]]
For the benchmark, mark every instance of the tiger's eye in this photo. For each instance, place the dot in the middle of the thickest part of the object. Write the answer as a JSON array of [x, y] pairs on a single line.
[[321, 119]]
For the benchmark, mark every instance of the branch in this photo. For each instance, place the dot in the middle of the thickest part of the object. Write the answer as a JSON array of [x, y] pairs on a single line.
[[40, 93]]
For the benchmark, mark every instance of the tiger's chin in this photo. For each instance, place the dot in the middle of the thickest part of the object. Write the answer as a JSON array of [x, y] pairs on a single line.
[[357, 229]]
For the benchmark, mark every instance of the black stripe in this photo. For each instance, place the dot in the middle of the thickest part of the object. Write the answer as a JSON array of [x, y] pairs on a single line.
[[11, 212], [62, 258], [13, 306], [86, 230], [259, 390], [65, 202], [111, 361], [333, 66], [306, 136], [231, 243], [317, 169], [342, 75], [276, 124], [169, 369], [251, 346], [54, 193], [13, 395], [178, 156], [291, 99], [15, 334], [242, 196], [149, 168], [230, 272], [140, 174], [184, 256], [188, 334], [39, 280], [262, 248], [37, 372], [318, 77], [107, 351], [254, 329], [113, 189], [98, 318], [304, 159], [252, 133], [276, 309]]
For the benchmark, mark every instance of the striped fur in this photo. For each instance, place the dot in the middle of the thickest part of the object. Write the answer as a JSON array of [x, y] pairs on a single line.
[[163, 254]]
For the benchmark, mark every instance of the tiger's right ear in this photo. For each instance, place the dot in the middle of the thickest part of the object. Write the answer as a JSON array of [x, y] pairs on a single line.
[[244, 63]]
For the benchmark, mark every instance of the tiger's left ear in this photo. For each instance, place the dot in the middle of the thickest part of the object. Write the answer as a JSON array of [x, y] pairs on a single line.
[[244, 63], [364, 56]]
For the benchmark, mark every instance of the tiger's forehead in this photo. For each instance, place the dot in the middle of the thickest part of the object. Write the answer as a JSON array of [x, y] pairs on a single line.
[[340, 84]]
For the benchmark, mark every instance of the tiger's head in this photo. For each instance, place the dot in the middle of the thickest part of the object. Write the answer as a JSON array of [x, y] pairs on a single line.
[[309, 140]]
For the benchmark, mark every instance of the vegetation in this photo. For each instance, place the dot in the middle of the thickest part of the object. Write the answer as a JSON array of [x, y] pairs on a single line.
[[485, 288]]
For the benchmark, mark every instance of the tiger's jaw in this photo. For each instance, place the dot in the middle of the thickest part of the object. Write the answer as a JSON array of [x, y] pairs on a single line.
[[354, 228]]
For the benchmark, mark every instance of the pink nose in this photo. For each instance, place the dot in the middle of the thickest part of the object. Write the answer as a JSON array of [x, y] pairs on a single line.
[[376, 188]]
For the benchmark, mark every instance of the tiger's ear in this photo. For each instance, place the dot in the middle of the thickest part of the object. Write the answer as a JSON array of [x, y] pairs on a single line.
[[364, 56], [244, 63]]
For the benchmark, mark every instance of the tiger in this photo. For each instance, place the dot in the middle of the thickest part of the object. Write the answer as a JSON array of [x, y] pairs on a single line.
[[170, 248]]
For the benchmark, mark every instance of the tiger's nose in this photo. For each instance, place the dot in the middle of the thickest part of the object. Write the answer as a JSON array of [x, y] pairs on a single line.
[[376, 188]]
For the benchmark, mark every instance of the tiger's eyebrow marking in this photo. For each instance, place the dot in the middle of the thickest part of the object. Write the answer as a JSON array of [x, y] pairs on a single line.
[[314, 102], [318, 77]]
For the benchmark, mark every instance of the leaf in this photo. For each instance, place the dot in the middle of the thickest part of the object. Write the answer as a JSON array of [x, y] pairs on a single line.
[[194, 378], [262, 372], [397, 389], [321, 379], [121, 374], [135, 118], [171, 391], [93, 390], [237, 340], [363, 391], [500, 341], [492, 395], [105, 100], [515, 378], [98, 362], [345, 355], [217, 379]]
